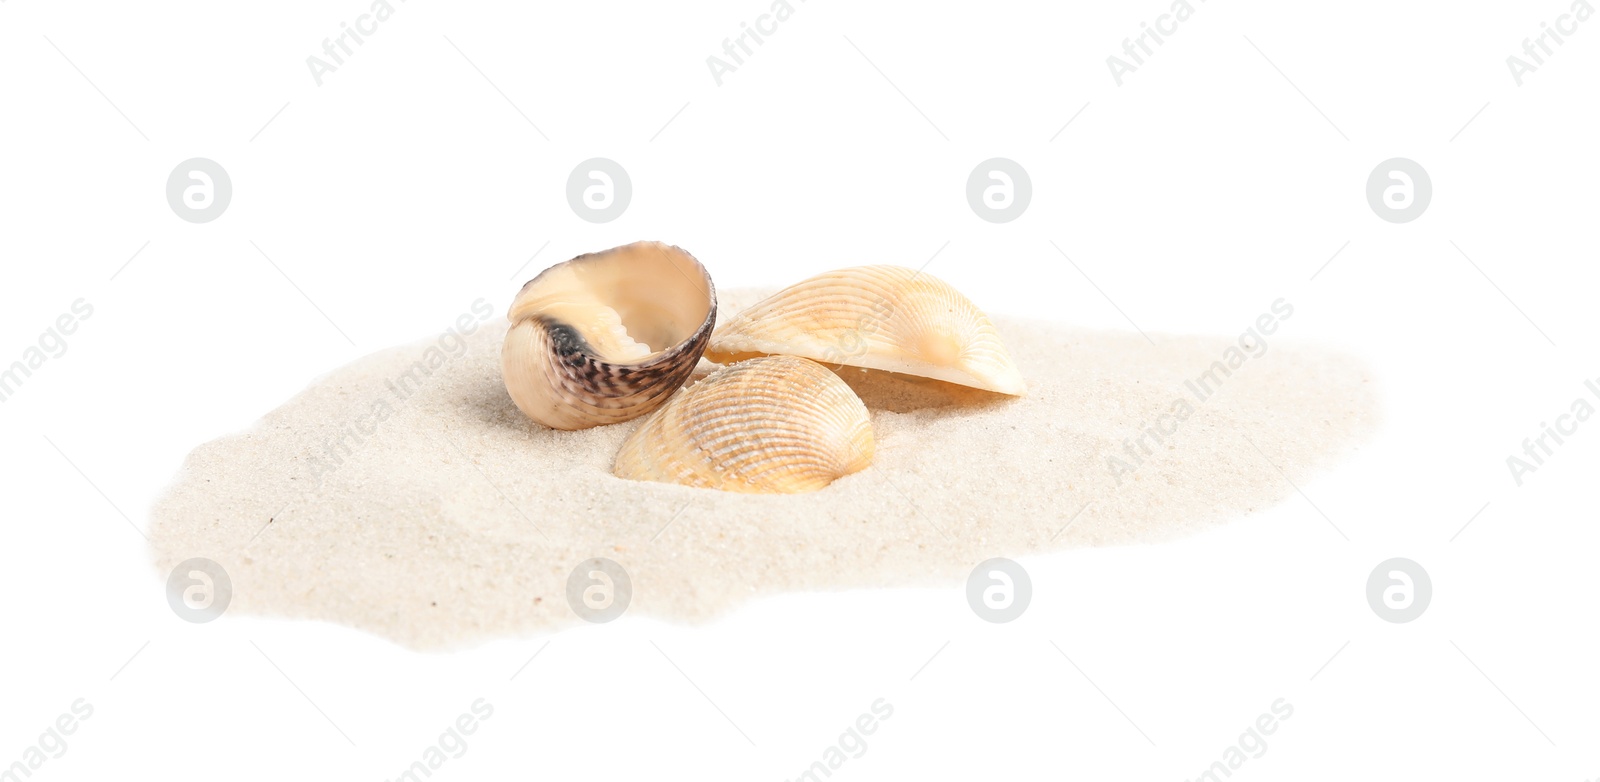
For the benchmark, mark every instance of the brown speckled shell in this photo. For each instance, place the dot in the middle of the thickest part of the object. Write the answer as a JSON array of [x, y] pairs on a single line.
[[557, 378]]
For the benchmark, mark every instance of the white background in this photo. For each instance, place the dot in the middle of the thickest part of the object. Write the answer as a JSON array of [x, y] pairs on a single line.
[[1206, 185]]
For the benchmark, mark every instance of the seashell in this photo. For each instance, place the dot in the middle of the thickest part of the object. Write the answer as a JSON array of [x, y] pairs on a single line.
[[607, 337], [880, 317], [773, 425]]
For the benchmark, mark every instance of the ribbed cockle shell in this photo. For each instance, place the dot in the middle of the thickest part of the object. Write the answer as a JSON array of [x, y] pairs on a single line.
[[880, 317], [777, 424]]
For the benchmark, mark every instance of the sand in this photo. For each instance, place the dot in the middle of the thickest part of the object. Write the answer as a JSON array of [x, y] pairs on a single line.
[[445, 518]]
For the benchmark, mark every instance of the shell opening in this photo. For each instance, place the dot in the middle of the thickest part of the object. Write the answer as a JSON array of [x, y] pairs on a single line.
[[643, 295]]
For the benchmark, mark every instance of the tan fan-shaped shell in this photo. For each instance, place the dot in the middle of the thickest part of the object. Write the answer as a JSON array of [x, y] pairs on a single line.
[[775, 425], [608, 336], [879, 317]]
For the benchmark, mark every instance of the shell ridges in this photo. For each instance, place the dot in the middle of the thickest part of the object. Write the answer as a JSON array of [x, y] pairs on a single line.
[[879, 317]]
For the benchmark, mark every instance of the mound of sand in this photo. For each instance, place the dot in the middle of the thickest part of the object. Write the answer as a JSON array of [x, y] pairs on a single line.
[[416, 502]]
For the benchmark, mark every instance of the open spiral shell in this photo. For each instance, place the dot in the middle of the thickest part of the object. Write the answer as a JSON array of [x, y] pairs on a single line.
[[880, 317], [772, 425], [607, 337]]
